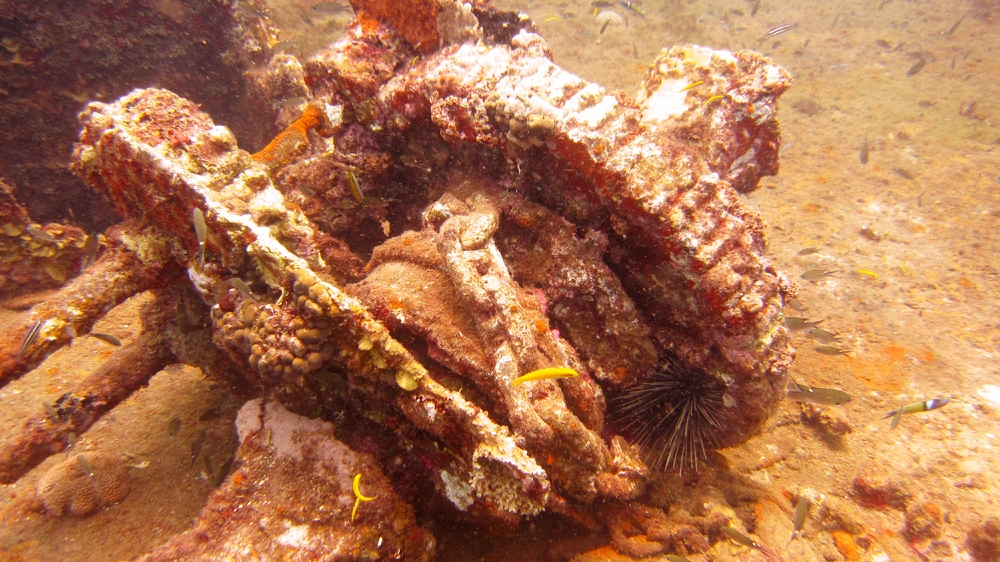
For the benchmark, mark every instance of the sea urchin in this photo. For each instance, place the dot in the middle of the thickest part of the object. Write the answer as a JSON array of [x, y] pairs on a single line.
[[672, 415]]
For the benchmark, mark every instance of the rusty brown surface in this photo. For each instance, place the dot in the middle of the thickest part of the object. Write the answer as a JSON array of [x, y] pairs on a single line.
[[133, 263], [125, 372]]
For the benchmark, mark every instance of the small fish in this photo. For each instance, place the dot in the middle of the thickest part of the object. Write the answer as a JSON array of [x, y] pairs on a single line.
[[823, 336], [605, 26], [871, 274], [756, 6], [282, 46], [355, 186], [219, 408], [211, 413], [29, 339], [916, 407], [223, 472], [692, 85], [781, 29], [714, 98], [39, 233], [602, 4], [549, 373], [306, 19], [51, 410], [173, 427], [869, 233], [817, 274], [801, 511], [359, 497], [201, 231], [954, 27], [795, 323], [903, 173], [90, 247], [815, 395], [917, 66], [796, 305], [209, 469], [196, 447], [70, 443], [742, 539], [293, 102], [242, 287], [251, 9], [632, 6], [107, 338], [85, 465], [330, 8], [830, 350], [635, 50], [895, 418], [864, 150], [807, 251]]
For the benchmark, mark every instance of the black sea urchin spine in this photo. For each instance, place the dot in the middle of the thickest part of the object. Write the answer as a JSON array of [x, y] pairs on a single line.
[[672, 415]]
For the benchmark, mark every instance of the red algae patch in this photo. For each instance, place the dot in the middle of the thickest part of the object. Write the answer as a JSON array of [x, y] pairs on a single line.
[[846, 545]]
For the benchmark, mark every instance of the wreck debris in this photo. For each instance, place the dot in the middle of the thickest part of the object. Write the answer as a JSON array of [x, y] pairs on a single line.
[[134, 262], [545, 447], [291, 499], [514, 218], [653, 211], [128, 370], [34, 257]]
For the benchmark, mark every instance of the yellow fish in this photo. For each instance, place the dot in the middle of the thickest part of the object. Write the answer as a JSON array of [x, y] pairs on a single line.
[[548, 373], [359, 497]]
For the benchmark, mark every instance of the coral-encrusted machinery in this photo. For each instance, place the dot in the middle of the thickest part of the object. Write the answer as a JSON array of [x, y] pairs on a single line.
[[454, 210]]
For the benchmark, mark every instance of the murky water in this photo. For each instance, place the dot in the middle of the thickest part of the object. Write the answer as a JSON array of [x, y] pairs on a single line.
[[912, 235]]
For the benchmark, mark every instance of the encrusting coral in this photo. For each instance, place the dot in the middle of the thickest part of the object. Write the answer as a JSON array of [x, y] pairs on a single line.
[[68, 489]]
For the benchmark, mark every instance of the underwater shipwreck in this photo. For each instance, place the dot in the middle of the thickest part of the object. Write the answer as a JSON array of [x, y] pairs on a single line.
[[444, 211]]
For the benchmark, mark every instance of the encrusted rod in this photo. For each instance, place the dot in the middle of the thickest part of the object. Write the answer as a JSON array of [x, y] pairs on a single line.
[[132, 263], [129, 369]]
